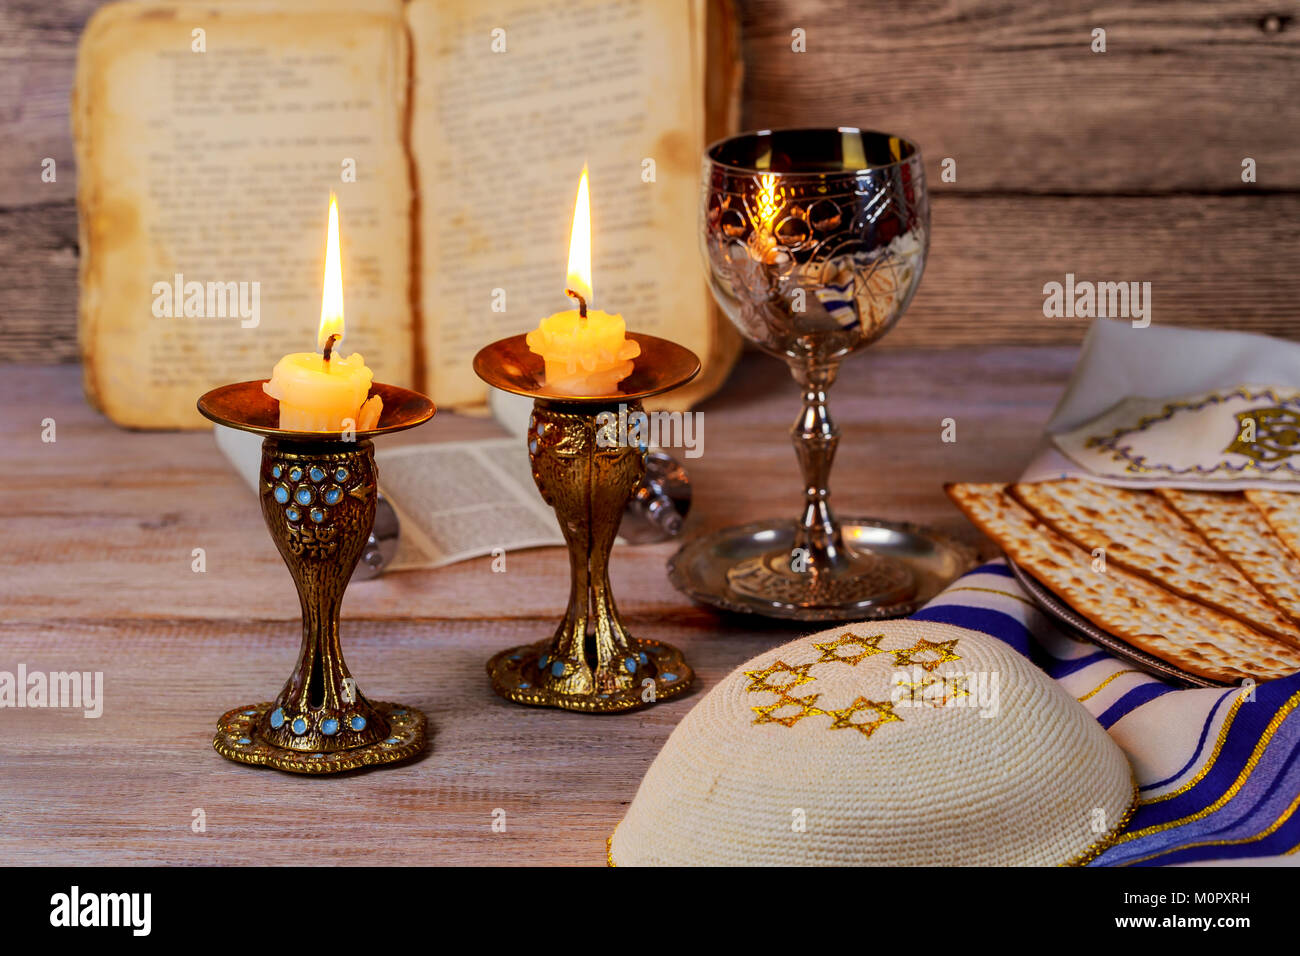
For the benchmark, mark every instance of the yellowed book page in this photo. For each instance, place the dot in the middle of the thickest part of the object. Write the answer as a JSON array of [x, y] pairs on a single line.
[[501, 125], [205, 164]]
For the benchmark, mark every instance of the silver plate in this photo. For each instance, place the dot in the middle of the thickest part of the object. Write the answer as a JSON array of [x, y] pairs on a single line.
[[699, 568], [1072, 622]]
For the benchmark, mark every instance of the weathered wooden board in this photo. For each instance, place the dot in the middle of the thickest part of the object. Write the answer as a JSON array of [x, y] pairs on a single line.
[[127, 509], [1212, 261], [1013, 91], [95, 575], [1127, 162]]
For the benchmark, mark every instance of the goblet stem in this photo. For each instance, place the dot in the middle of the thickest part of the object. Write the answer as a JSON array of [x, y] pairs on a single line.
[[819, 542]]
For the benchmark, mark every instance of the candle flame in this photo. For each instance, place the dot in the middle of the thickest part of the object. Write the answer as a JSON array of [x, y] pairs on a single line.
[[331, 300], [579, 277]]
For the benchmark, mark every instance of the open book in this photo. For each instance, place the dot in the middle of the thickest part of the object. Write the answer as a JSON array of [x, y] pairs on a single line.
[[209, 136]]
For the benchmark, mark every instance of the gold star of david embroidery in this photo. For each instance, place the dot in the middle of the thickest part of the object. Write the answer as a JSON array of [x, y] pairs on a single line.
[[958, 686], [766, 714], [944, 650], [842, 719], [866, 647], [759, 679], [1274, 434]]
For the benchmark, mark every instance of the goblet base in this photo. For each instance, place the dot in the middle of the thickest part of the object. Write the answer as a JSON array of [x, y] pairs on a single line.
[[859, 580], [521, 674], [898, 567], [238, 739]]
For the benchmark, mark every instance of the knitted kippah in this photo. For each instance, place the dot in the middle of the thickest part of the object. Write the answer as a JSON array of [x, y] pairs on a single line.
[[896, 743]]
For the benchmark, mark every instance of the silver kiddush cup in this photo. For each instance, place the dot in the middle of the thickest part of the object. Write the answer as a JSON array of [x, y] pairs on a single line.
[[814, 242]]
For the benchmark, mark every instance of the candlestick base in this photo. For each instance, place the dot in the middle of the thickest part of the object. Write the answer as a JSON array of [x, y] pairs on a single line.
[[239, 739], [530, 675], [586, 467]]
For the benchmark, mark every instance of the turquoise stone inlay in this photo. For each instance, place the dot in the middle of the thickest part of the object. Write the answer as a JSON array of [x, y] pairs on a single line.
[[630, 664], [281, 494], [668, 676], [295, 473], [557, 669], [277, 471], [358, 722], [304, 495], [340, 474], [332, 495], [243, 740], [292, 514], [299, 726], [277, 718], [329, 726], [317, 515], [317, 473]]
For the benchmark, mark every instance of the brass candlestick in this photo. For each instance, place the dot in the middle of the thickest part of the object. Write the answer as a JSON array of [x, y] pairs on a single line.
[[318, 498], [587, 474]]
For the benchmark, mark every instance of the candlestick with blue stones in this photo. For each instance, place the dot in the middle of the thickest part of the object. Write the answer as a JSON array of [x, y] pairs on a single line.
[[318, 499], [318, 495]]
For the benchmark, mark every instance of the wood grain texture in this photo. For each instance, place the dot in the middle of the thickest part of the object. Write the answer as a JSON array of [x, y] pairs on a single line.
[[38, 283], [1127, 162], [1014, 93], [95, 575], [1212, 261], [1010, 89]]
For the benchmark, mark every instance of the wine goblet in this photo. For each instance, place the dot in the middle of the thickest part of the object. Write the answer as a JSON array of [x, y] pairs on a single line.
[[814, 242]]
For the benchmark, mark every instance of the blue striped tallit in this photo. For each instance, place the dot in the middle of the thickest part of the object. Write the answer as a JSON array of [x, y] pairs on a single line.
[[1218, 769]]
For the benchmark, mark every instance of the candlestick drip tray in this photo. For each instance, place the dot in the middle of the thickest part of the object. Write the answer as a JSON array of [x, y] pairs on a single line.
[[238, 738], [651, 672]]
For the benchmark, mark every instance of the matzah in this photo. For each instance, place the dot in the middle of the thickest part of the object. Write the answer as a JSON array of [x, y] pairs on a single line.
[[1281, 509], [1142, 534], [1238, 531], [1191, 636]]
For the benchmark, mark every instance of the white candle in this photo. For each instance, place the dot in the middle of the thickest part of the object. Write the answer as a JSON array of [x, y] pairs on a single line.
[[586, 352], [322, 392], [320, 396]]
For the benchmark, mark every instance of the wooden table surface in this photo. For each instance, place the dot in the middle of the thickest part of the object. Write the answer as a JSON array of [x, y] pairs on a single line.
[[98, 533]]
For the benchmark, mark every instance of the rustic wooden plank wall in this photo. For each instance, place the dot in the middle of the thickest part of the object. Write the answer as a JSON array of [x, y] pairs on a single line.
[[1123, 165]]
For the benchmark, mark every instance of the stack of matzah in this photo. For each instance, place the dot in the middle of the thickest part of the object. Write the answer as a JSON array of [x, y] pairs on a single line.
[[1208, 581]]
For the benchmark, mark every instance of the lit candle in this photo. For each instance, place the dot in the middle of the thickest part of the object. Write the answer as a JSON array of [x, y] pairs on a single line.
[[321, 391], [586, 351]]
